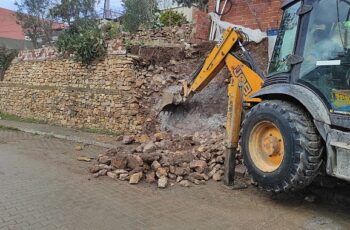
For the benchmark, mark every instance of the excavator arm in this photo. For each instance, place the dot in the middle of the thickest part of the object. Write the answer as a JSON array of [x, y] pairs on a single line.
[[220, 56], [244, 82]]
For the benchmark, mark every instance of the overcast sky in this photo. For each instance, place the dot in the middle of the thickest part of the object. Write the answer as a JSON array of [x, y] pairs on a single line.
[[115, 4]]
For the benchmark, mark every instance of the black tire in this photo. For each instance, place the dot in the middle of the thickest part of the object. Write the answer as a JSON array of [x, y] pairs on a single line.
[[303, 146]]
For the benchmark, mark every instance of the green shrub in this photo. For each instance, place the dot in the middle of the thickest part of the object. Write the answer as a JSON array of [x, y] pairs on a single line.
[[172, 18], [111, 29], [85, 39], [6, 57]]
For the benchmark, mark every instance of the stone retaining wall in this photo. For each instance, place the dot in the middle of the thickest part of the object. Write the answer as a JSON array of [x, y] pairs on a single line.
[[63, 92]]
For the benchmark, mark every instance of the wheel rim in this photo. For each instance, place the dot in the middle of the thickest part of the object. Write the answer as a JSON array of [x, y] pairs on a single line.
[[266, 146]]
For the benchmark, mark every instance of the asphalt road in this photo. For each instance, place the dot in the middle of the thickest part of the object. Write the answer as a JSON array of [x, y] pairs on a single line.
[[43, 186]]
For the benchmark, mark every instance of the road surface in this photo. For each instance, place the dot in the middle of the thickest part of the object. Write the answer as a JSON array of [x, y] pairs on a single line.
[[43, 186]]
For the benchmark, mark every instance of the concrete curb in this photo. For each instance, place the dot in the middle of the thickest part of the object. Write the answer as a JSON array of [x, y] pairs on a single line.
[[63, 137]]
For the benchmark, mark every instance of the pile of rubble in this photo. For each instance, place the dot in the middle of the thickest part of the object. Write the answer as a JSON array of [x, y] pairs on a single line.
[[166, 159]]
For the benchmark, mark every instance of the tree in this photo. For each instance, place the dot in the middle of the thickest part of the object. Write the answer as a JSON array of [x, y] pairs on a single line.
[[6, 57], [33, 16], [202, 4], [139, 13], [69, 11]]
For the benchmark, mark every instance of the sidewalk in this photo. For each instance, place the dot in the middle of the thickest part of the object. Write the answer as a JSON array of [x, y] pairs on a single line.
[[101, 140]]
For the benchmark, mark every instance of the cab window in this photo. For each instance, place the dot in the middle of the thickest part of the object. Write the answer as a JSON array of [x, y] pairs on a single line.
[[326, 65], [285, 42]]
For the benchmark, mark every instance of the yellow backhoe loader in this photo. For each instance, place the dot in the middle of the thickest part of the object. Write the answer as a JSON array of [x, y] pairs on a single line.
[[297, 118]]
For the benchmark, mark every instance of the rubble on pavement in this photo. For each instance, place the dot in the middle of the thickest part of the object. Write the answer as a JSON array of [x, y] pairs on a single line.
[[162, 158], [167, 159]]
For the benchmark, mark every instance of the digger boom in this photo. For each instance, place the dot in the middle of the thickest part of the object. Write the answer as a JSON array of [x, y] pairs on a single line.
[[244, 82]]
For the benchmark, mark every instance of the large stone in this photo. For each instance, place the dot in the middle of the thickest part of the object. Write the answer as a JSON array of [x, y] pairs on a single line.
[[162, 182], [198, 165], [104, 160], [102, 172], [172, 176], [179, 178], [182, 156], [181, 171], [135, 178], [155, 165], [199, 176], [149, 147], [144, 138], [166, 160], [94, 168], [120, 171], [240, 170], [160, 136], [217, 176], [127, 140], [151, 177], [124, 176], [161, 172], [185, 183], [112, 175], [150, 157], [119, 161], [134, 161], [212, 172]]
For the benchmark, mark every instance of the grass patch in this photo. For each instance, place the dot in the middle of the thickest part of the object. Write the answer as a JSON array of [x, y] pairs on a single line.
[[102, 131], [8, 128], [11, 117]]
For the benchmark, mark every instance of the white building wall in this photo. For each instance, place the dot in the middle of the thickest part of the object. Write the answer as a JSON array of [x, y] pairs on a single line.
[[167, 4], [170, 5]]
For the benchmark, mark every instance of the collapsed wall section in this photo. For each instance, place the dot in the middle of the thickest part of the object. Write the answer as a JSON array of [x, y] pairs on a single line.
[[64, 92]]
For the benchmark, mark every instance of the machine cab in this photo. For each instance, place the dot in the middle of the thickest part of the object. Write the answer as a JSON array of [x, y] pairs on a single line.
[[313, 50]]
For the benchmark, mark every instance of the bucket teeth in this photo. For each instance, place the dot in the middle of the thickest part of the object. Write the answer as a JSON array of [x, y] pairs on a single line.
[[170, 101]]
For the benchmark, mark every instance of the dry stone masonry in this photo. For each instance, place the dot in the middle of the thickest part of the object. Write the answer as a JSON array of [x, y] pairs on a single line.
[[63, 92]]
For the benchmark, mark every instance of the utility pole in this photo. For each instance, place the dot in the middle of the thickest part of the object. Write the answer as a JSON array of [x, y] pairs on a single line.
[[107, 14]]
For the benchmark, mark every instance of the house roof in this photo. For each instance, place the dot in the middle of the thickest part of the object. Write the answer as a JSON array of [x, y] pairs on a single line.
[[9, 28]]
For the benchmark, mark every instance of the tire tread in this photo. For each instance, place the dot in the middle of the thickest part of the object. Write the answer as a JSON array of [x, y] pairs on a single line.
[[308, 146]]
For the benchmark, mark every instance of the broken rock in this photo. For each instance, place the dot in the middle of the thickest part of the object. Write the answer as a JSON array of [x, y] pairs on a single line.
[[135, 178], [149, 147], [185, 183], [123, 176], [181, 171], [199, 176], [160, 136], [120, 171], [104, 160], [161, 172], [162, 182], [112, 175], [151, 177], [155, 165], [198, 165], [217, 176], [119, 161], [179, 178], [134, 161], [94, 169], [127, 140], [102, 172]]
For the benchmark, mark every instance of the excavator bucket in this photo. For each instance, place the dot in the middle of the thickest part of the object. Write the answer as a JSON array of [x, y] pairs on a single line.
[[170, 101]]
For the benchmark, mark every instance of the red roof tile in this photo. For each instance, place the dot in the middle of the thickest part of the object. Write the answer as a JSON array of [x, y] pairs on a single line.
[[9, 28]]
